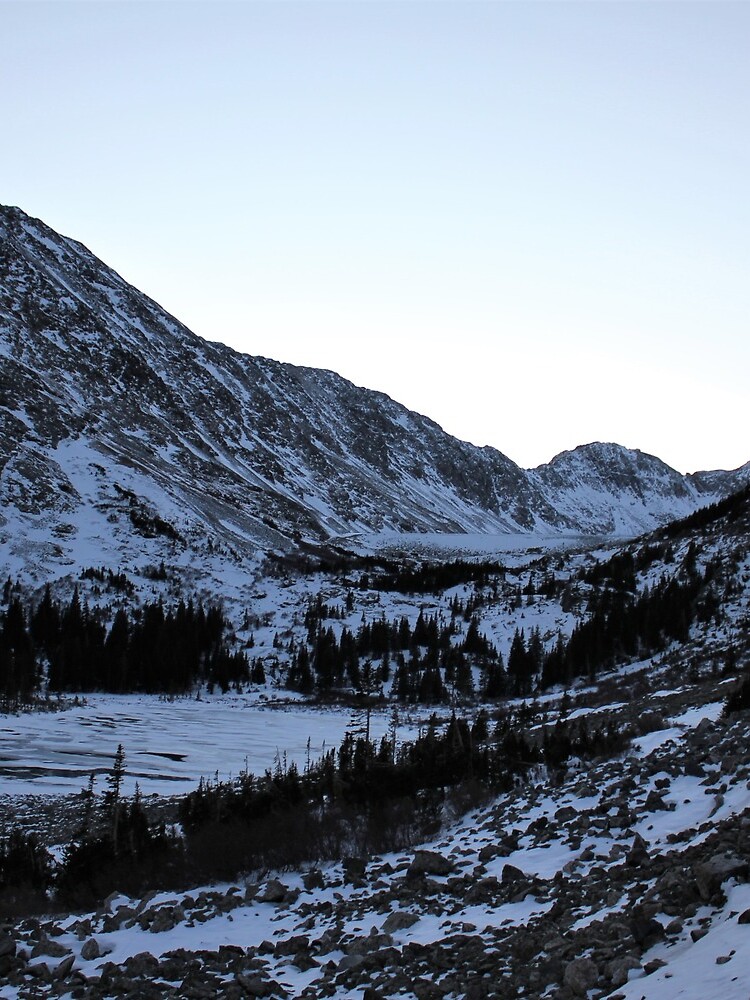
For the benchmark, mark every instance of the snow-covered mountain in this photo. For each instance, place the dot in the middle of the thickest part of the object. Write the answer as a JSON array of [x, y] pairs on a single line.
[[125, 437], [615, 490]]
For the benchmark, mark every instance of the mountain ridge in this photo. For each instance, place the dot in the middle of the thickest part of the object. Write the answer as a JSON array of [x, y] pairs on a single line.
[[122, 431]]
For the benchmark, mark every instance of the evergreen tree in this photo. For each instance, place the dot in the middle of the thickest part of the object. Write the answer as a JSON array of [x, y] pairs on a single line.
[[113, 796], [519, 666]]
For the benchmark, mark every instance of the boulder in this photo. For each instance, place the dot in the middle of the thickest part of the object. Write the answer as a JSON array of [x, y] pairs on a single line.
[[399, 920], [580, 976], [273, 891], [90, 950], [710, 874], [51, 948], [645, 930], [512, 874], [64, 968], [620, 968], [314, 879], [430, 863], [654, 802], [140, 965], [638, 853]]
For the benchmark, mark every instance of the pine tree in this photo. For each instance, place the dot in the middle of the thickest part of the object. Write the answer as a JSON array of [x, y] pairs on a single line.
[[519, 666], [112, 797]]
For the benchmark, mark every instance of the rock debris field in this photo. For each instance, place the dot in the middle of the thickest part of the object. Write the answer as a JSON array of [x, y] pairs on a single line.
[[626, 879]]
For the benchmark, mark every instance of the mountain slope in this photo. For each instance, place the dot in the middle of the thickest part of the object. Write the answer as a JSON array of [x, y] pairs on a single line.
[[123, 436]]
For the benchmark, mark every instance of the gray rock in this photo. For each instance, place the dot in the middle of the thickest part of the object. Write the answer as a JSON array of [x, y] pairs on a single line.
[[620, 968], [63, 969], [255, 986], [51, 948], [430, 863], [350, 962], [142, 964], [512, 874], [638, 853], [143, 903], [273, 891], [580, 976], [90, 950], [710, 874], [40, 970], [399, 921]]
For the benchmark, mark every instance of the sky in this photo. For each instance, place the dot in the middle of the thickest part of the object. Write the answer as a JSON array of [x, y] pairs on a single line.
[[528, 220]]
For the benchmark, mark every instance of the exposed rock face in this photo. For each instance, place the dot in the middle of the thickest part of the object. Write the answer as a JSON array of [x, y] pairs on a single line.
[[125, 436]]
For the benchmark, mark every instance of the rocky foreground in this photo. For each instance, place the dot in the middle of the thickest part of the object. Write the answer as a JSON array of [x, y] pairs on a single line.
[[628, 878]]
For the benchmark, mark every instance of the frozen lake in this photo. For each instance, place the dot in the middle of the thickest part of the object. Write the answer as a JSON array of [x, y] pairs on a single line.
[[168, 745]]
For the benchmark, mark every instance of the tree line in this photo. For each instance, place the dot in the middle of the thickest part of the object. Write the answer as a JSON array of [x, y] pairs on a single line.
[[152, 649]]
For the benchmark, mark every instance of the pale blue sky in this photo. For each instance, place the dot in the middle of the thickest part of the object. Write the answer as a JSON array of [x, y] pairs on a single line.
[[529, 220]]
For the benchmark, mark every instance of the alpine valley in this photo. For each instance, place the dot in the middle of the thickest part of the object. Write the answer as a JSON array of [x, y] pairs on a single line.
[[303, 697]]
